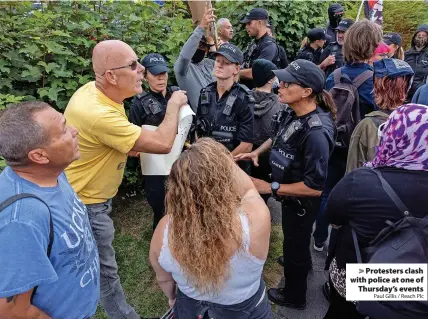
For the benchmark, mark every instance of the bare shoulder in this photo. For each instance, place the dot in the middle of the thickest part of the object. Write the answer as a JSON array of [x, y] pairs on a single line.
[[259, 221], [157, 239]]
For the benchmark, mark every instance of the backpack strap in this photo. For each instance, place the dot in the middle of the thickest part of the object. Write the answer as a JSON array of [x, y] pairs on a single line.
[[393, 195], [363, 77], [357, 248], [9, 201], [397, 201], [377, 120], [337, 74]]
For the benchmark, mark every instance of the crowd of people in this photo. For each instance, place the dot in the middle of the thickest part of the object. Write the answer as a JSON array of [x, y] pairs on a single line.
[[322, 134]]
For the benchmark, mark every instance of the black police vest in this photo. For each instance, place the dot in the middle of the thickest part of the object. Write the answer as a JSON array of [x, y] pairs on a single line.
[[283, 158], [221, 121], [253, 52], [153, 108]]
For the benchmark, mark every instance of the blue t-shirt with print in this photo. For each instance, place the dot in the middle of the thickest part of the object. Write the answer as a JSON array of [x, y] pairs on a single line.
[[68, 281]]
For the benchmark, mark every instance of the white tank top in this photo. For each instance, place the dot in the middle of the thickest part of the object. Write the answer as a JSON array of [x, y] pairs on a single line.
[[244, 277]]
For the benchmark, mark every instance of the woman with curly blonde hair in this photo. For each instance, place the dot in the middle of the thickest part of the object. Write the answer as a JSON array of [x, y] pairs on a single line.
[[214, 240]]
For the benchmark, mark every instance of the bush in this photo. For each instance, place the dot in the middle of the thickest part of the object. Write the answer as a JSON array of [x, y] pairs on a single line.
[[46, 52], [398, 16], [290, 19]]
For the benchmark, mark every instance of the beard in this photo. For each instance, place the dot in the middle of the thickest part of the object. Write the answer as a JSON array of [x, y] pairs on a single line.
[[198, 56], [420, 43]]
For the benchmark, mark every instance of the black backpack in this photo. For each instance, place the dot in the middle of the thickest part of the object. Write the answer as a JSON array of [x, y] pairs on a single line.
[[405, 241], [346, 97], [9, 201], [280, 60]]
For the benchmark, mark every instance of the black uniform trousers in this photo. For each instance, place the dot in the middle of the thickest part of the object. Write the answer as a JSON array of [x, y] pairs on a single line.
[[155, 189], [263, 172], [297, 237]]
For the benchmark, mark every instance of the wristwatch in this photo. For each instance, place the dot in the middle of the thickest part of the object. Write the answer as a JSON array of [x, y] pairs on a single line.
[[274, 186]]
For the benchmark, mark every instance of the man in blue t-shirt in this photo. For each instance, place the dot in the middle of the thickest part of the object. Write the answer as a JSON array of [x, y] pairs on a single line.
[[37, 144]]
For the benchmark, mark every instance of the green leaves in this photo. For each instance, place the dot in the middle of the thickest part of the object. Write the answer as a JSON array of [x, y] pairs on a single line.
[[6, 99], [2, 164], [31, 50], [48, 67], [50, 93], [46, 54], [32, 74], [291, 19], [56, 48]]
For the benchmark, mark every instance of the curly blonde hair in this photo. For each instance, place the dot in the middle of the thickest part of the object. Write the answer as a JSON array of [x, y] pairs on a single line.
[[202, 204]]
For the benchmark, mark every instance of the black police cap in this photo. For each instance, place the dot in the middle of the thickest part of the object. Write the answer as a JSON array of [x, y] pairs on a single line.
[[390, 38], [155, 63], [255, 14], [317, 34], [304, 73], [231, 52], [344, 25]]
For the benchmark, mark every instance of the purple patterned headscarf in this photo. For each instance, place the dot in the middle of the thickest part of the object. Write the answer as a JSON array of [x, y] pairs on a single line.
[[404, 139]]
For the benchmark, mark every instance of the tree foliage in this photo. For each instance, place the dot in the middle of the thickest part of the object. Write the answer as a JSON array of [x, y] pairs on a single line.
[[290, 19], [45, 53], [398, 16]]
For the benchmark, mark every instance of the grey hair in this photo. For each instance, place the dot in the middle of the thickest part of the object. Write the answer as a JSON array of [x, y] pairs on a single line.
[[221, 21], [20, 133]]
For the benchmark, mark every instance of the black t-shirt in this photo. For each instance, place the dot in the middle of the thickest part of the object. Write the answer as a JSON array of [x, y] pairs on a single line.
[[308, 53], [263, 48], [312, 153], [360, 202]]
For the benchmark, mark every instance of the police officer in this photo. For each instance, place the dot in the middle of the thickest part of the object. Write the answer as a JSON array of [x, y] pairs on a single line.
[[313, 49], [226, 108], [148, 108], [262, 47], [335, 47], [303, 139]]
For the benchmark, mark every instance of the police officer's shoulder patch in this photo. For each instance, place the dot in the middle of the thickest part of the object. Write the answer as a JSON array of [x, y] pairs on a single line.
[[142, 95], [314, 121], [245, 88], [211, 86], [244, 91]]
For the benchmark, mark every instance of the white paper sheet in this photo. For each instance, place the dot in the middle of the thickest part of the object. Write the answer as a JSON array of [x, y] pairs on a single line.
[[160, 164]]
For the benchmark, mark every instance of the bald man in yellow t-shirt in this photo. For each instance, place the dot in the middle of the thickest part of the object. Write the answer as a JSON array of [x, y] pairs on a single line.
[[105, 138]]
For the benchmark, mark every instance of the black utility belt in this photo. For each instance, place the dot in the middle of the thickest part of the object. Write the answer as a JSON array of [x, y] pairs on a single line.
[[291, 201], [300, 204]]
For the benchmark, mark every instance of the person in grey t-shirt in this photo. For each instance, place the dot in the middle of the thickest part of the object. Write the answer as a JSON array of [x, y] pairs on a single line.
[[193, 70]]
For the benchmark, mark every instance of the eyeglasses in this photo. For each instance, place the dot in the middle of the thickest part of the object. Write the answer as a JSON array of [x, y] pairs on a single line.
[[286, 85], [133, 65]]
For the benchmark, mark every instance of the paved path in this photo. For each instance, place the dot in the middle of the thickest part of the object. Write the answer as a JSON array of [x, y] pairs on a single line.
[[316, 304]]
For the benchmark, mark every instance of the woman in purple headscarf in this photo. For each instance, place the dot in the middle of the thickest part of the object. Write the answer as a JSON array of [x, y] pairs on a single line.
[[360, 202]]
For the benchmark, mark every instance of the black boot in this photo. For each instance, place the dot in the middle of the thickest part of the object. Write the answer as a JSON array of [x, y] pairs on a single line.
[[282, 298]]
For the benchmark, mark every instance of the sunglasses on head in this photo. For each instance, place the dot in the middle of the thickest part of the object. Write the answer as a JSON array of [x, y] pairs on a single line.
[[133, 66]]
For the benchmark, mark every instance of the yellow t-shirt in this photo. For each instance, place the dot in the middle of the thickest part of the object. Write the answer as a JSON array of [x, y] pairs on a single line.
[[105, 136]]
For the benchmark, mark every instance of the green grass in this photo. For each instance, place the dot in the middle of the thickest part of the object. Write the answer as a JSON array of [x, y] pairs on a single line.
[[133, 223]]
